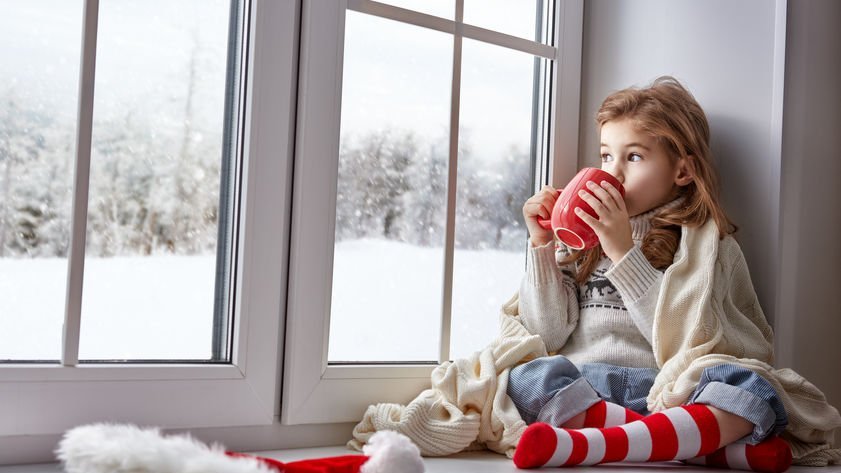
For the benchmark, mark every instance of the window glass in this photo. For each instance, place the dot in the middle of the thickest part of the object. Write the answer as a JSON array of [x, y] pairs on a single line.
[[390, 209], [520, 18], [494, 179], [442, 8], [155, 178], [40, 45]]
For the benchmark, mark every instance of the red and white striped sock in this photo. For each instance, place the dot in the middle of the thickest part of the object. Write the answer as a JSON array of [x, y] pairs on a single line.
[[607, 414], [772, 455], [678, 433]]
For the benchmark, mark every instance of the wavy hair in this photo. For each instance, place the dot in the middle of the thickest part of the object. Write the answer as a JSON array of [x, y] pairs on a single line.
[[669, 112]]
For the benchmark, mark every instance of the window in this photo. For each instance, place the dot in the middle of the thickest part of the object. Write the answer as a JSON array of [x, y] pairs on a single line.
[[142, 265], [181, 119], [410, 174], [147, 179], [273, 122]]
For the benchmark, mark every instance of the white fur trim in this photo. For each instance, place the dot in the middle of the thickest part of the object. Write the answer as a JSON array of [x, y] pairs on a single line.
[[112, 448], [390, 451]]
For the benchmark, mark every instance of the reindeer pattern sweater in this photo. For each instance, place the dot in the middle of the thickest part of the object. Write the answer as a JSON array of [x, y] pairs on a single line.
[[609, 318]]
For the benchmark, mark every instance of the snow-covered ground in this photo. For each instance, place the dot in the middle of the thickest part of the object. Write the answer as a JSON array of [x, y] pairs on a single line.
[[386, 304], [132, 307]]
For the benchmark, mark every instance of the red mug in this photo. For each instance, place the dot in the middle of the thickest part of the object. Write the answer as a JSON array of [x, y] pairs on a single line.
[[568, 227]]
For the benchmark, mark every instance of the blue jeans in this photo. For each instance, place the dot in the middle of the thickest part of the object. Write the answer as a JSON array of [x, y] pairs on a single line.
[[553, 390]]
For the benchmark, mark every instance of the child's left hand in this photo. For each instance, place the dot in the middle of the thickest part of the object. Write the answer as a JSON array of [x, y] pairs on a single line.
[[613, 227]]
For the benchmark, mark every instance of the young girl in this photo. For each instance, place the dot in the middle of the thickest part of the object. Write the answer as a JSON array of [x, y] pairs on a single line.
[[665, 294]]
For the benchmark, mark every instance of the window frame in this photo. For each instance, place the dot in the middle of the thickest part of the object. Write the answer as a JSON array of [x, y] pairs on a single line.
[[240, 404], [314, 391], [40, 401]]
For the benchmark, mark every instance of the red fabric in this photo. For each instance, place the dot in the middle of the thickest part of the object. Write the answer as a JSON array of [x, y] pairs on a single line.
[[536, 446], [579, 448], [616, 444], [707, 426], [664, 442], [340, 464], [631, 416], [596, 415], [772, 455]]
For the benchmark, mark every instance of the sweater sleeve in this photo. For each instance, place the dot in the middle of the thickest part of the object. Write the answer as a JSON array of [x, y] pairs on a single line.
[[639, 283], [548, 297]]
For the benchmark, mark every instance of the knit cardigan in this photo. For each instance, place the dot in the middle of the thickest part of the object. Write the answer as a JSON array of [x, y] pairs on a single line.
[[707, 313]]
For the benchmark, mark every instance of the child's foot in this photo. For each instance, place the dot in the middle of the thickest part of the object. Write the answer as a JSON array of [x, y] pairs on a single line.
[[772, 455], [536, 446]]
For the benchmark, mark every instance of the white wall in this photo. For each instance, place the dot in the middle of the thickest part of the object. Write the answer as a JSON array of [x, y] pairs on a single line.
[[731, 55], [810, 257]]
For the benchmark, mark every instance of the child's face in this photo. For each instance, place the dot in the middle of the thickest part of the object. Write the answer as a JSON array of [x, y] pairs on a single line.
[[641, 163]]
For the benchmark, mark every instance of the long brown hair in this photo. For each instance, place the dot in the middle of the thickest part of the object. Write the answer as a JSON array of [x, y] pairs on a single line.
[[669, 112]]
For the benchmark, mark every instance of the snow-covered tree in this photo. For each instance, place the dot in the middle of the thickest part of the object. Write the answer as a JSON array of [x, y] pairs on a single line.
[[425, 212], [33, 181]]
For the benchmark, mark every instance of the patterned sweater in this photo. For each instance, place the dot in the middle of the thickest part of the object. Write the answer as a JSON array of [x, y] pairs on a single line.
[[603, 320]]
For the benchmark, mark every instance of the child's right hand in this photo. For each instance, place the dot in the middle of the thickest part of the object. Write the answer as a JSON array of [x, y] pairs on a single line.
[[539, 206]]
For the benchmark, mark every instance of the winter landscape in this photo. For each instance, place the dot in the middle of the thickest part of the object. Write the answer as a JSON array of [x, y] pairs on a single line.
[[157, 170]]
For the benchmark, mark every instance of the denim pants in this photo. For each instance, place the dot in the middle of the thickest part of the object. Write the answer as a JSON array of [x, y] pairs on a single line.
[[553, 390]]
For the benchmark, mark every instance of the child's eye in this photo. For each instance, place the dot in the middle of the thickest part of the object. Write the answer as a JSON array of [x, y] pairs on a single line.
[[606, 158], [634, 158]]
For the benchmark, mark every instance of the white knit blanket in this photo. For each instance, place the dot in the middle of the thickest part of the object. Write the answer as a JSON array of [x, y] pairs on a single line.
[[467, 406]]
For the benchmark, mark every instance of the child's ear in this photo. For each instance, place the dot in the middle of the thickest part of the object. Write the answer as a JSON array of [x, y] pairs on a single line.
[[685, 168]]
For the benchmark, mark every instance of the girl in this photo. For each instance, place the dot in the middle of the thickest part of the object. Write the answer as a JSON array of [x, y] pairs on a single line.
[[632, 331]]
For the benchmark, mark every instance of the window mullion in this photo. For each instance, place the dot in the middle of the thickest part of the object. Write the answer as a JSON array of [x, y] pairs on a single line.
[[84, 131], [403, 15], [452, 181]]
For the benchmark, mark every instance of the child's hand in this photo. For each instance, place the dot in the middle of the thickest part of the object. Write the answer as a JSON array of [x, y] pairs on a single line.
[[540, 206], [613, 227]]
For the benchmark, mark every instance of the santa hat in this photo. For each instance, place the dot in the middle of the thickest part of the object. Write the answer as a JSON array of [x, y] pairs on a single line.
[[121, 448]]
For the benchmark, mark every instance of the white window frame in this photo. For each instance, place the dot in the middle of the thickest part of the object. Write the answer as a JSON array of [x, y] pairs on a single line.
[[39, 402], [313, 391]]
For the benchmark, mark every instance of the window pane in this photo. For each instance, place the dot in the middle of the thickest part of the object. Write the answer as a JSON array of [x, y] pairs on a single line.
[[388, 263], [522, 18], [494, 179], [40, 45], [155, 180], [441, 8]]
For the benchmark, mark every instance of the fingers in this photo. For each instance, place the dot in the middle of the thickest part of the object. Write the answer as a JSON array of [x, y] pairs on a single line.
[[605, 198], [540, 204], [614, 192], [595, 202], [552, 190], [587, 218]]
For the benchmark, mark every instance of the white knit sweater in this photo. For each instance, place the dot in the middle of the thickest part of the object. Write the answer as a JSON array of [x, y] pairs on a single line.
[[609, 318]]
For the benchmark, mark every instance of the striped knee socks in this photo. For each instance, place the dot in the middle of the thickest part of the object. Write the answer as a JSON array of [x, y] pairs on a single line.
[[607, 414], [679, 433]]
